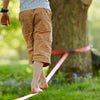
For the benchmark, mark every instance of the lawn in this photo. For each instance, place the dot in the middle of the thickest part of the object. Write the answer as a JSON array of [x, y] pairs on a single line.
[[15, 82]]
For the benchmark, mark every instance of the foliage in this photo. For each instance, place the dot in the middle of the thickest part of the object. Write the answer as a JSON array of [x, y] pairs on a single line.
[[11, 38], [15, 83], [59, 77], [94, 23]]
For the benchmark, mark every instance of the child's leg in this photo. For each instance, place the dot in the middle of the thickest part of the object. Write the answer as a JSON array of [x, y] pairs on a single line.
[[42, 40], [43, 83], [26, 20], [38, 66]]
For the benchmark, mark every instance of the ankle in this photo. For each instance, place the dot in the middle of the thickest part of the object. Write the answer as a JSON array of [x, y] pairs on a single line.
[[34, 84]]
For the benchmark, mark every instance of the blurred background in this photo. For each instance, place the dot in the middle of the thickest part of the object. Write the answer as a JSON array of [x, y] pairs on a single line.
[[12, 43], [93, 24]]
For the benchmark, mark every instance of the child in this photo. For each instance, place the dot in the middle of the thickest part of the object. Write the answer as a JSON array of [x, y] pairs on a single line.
[[35, 19]]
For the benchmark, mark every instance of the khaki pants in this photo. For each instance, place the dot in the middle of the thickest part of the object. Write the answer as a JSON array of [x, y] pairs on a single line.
[[37, 30]]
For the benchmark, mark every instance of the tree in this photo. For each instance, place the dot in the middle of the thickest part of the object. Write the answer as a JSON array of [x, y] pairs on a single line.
[[70, 32]]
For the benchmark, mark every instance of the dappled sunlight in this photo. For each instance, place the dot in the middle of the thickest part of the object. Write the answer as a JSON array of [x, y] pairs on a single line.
[[94, 24], [29, 70], [11, 37], [16, 73]]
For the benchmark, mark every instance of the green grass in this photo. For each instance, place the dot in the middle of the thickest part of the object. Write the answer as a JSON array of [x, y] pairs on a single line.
[[84, 90]]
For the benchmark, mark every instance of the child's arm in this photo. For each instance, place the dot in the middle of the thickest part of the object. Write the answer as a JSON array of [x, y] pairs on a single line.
[[5, 20], [5, 4]]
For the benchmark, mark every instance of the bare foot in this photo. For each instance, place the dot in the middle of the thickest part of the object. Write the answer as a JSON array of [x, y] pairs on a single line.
[[35, 89], [43, 85]]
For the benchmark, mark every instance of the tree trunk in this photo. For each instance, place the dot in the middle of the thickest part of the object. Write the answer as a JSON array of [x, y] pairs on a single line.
[[69, 33]]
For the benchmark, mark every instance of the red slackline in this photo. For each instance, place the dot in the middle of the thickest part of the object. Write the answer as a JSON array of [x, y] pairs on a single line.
[[57, 66]]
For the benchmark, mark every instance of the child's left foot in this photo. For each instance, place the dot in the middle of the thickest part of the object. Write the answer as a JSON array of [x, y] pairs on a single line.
[[35, 88], [43, 85]]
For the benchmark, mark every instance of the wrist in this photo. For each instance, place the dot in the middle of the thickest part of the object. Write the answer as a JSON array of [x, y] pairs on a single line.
[[4, 13], [4, 10]]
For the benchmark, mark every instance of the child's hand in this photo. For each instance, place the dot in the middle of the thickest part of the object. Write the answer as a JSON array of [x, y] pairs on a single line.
[[5, 20]]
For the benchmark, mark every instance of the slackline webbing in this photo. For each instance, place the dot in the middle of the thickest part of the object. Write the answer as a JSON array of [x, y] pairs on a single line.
[[57, 66]]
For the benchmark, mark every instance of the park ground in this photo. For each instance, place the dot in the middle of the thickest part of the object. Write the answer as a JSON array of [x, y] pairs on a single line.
[[15, 82]]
